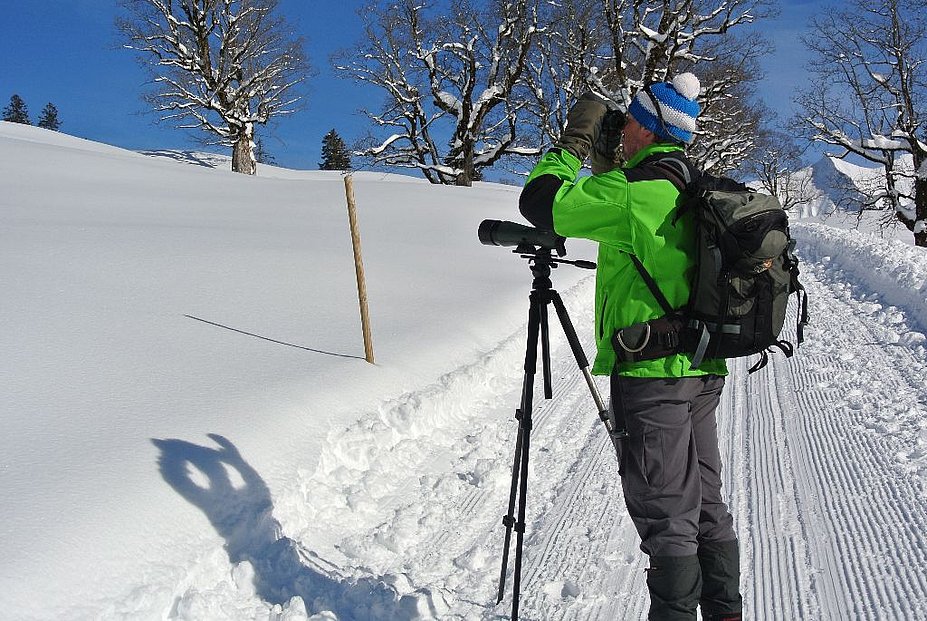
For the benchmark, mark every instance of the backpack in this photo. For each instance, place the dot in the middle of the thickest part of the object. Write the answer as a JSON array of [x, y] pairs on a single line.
[[746, 270]]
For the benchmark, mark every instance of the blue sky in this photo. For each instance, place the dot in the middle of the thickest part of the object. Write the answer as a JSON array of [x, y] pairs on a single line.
[[66, 52]]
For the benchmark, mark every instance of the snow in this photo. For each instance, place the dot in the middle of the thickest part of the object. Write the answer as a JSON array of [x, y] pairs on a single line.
[[449, 101], [833, 180], [652, 35], [108, 256], [191, 432], [895, 269], [883, 143]]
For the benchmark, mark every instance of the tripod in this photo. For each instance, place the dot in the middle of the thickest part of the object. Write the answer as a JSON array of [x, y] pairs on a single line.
[[542, 294]]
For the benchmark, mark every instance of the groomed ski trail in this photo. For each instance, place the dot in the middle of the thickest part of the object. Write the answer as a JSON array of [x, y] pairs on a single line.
[[832, 506], [829, 502]]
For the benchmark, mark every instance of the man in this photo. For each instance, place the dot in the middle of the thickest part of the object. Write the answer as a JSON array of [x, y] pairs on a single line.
[[670, 463]]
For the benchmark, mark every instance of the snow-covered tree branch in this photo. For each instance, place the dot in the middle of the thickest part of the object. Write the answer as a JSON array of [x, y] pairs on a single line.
[[870, 98], [776, 165], [448, 80], [615, 47], [218, 66]]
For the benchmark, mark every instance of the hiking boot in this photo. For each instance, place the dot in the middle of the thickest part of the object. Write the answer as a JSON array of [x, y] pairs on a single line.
[[720, 563], [675, 583]]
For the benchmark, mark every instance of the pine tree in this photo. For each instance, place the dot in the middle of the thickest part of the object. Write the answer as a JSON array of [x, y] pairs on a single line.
[[261, 154], [335, 155], [49, 118], [16, 112]]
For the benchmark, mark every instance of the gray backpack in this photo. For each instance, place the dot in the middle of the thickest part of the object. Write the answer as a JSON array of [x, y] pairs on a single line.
[[746, 270]]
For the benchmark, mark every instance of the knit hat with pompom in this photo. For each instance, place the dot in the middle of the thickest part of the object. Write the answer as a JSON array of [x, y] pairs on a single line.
[[677, 107]]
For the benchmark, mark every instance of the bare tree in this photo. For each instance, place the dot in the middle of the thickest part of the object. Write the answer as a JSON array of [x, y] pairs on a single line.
[[777, 167], [448, 79], [564, 63], [870, 99], [616, 47], [218, 66]]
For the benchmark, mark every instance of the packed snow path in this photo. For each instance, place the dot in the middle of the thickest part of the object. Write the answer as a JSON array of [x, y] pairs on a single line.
[[825, 473], [829, 506]]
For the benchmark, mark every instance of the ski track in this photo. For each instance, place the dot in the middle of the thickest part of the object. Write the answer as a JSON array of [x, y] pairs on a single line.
[[861, 545], [827, 493]]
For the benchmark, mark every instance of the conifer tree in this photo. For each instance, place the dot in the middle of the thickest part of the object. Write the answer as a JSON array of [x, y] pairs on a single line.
[[16, 112], [261, 154], [49, 117], [335, 155]]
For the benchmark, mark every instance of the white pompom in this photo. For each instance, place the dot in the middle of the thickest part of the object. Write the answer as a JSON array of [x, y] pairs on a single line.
[[687, 85]]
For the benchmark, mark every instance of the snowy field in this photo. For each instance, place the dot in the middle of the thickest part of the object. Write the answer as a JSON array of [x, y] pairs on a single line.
[[190, 430]]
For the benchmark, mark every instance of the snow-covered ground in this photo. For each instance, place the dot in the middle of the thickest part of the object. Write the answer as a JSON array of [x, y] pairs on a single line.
[[833, 180], [190, 430]]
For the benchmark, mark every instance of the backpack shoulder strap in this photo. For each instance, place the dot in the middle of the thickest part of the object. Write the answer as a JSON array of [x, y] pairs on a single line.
[[676, 172], [652, 285], [681, 174]]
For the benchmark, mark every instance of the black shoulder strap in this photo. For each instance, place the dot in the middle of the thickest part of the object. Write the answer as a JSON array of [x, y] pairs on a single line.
[[680, 175], [652, 285], [676, 172]]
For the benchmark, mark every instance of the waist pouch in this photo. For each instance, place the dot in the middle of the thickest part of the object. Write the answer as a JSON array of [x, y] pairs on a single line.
[[657, 338]]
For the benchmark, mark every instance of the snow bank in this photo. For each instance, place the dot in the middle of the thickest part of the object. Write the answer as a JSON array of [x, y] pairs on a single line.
[[898, 271], [182, 341]]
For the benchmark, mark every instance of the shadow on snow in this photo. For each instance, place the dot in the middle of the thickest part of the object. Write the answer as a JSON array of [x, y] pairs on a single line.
[[264, 338], [237, 502]]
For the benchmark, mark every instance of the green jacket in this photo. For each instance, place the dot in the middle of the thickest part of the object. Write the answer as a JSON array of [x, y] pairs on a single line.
[[627, 210]]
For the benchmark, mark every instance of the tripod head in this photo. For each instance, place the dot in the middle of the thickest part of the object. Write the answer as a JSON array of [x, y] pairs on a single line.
[[541, 261], [540, 256]]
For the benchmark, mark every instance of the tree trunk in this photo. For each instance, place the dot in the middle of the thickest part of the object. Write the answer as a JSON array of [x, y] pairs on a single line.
[[920, 209], [243, 160], [466, 175], [464, 179]]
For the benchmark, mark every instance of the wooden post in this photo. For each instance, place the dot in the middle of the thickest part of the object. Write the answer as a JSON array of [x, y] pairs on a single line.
[[359, 268]]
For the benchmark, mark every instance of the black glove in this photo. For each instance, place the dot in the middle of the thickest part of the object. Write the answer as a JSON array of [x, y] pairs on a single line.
[[606, 151], [584, 122]]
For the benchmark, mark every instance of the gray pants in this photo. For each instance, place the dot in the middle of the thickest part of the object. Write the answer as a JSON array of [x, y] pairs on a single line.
[[670, 464]]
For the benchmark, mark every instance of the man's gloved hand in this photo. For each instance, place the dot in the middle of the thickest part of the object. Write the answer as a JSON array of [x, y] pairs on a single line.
[[584, 122], [606, 150]]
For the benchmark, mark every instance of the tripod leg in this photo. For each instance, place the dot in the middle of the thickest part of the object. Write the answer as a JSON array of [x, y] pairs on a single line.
[[509, 519], [520, 464], [522, 503], [578, 352], [542, 302], [616, 432]]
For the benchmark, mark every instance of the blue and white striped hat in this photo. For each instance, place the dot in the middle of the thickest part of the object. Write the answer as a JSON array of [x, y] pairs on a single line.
[[669, 109]]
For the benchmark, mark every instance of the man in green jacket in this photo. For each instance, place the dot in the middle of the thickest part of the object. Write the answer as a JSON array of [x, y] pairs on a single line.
[[669, 464]]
